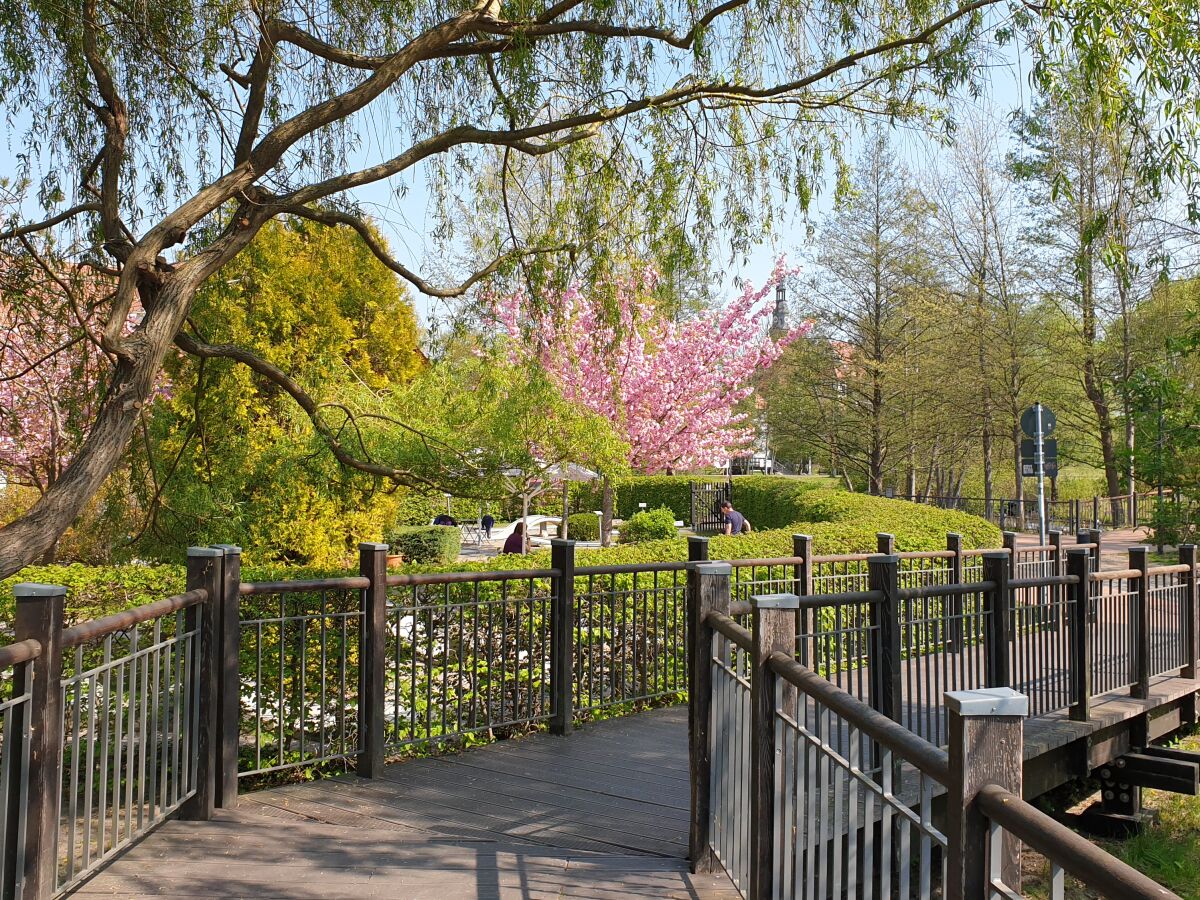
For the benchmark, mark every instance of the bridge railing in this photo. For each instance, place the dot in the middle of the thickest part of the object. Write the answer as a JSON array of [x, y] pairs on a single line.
[[108, 729], [162, 710], [802, 790]]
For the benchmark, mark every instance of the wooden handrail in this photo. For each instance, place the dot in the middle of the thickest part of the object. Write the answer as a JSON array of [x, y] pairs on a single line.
[[22, 651], [631, 568], [1176, 569], [300, 586], [1115, 575], [428, 578], [927, 554], [775, 561], [1078, 856], [842, 557], [722, 624], [98, 628], [931, 760]]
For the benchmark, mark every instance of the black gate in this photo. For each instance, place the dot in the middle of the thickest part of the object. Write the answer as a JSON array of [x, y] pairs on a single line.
[[707, 496]]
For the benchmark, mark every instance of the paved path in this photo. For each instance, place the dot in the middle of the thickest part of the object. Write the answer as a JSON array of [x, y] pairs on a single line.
[[1114, 545], [600, 814]]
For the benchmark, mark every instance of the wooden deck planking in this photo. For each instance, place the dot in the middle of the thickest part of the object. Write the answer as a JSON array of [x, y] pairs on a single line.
[[600, 814]]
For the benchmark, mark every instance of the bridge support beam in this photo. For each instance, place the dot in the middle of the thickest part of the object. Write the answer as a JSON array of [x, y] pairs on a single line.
[[986, 734]]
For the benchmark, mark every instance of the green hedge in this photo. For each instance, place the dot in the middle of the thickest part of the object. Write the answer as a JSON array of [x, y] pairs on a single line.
[[427, 543], [584, 526], [649, 525], [839, 522]]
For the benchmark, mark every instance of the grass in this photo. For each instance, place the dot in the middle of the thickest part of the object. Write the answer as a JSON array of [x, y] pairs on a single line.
[[1167, 850]]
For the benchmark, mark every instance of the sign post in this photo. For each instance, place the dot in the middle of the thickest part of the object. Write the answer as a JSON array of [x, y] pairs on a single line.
[[1038, 422]]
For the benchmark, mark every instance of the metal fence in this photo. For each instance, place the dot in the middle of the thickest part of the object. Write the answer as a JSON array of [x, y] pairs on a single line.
[[15, 722], [847, 826], [806, 791], [466, 655], [130, 697], [299, 650], [730, 754], [629, 634]]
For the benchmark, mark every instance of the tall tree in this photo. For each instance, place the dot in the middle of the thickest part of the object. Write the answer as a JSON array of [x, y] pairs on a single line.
[[873, 266], [1090, 198], [162, 137], [980, 217]]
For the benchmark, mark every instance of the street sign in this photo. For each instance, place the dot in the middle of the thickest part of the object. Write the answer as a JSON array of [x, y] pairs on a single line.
[[1049, 450], [1029, 422], [1029, 468]]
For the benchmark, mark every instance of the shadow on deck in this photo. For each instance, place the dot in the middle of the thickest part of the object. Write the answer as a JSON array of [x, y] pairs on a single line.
[[601, 814]]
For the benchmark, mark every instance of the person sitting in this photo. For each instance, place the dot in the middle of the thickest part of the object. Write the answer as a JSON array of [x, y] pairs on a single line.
[[486, 524], [445, 519], [735, 522], [515, 542]]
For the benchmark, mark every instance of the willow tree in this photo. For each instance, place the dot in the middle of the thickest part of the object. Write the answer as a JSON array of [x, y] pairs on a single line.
[[161, 137]]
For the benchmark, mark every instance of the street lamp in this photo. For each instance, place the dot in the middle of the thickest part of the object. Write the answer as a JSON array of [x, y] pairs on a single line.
[[448, 496]]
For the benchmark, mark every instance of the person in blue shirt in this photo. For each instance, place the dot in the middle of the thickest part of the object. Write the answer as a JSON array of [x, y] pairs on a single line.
[[486, 524], [735, 522]]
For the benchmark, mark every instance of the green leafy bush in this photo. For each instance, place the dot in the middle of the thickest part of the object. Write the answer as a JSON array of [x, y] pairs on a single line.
[[427, 543], [649, 525], [583, 527], [1173, 524]]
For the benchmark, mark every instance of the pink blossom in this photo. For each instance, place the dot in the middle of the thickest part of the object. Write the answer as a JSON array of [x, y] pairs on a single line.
[[671, 389]]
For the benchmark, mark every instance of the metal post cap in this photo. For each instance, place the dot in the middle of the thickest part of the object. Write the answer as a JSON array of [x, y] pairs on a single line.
[[28, 590], [998, 701], [774, 601]]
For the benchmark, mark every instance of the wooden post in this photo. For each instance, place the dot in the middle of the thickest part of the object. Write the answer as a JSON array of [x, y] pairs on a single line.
[[1079, 563], [986, 747], [697, 548], [39, 617], [954, 604], [773, 618], [1095, 536], [883, 649], [885, 543], [1095, 512], [229, 687], [372, 564], [1058, 591], [562, 637], [802, 584], [998, 611], [1008, 540], [711, 581], [204, 570], [1140, 624], [1191, 608]]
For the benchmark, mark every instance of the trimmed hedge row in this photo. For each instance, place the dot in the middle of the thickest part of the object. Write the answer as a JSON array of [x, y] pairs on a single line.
[[839, 522]]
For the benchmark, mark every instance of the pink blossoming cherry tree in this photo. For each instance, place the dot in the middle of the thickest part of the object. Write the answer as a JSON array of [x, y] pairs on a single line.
[[672, 390]]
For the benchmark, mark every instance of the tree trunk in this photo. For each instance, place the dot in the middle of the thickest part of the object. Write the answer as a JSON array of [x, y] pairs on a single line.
[[606, 514]]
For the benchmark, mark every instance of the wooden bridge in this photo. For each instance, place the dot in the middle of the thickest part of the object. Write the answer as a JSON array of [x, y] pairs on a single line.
[[818, 750]]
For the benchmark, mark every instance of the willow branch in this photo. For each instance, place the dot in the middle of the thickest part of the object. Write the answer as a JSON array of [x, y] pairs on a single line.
[[334, 218]]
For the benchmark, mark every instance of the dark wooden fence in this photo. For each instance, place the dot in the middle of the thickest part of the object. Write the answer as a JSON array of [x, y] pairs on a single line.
[[112, 726], [807, 784]]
